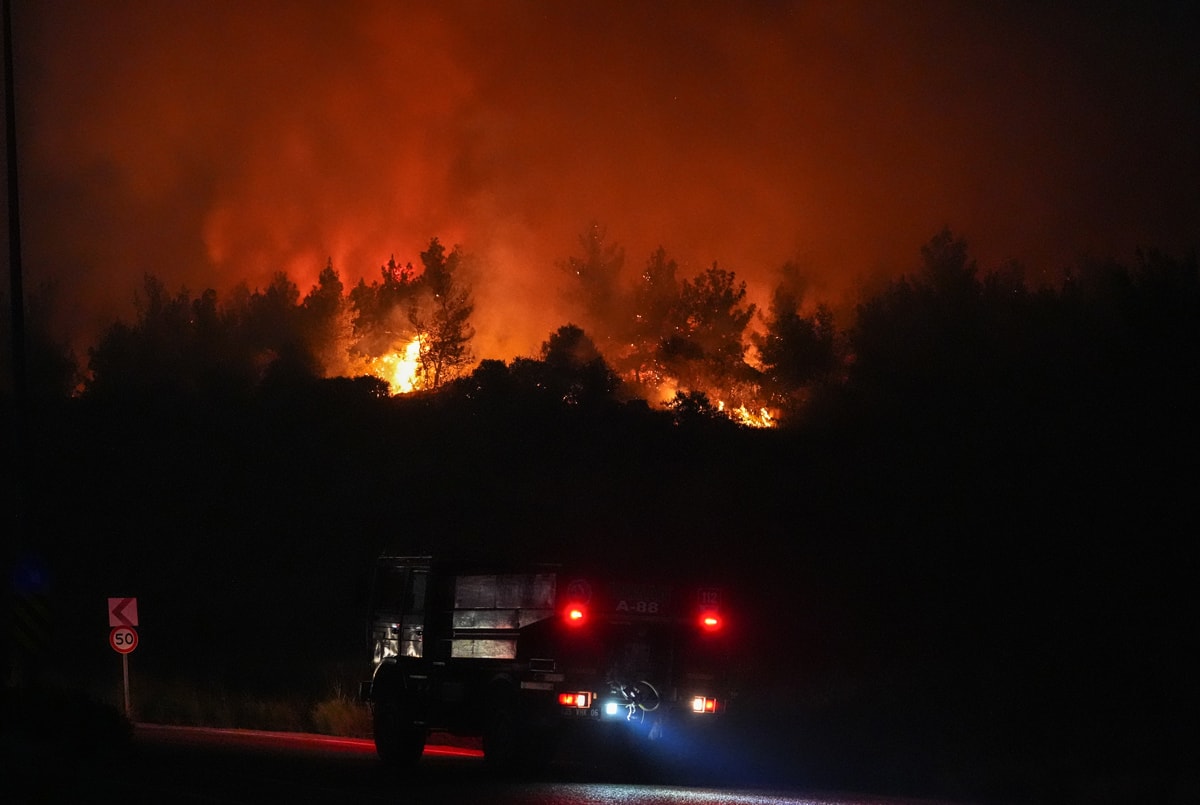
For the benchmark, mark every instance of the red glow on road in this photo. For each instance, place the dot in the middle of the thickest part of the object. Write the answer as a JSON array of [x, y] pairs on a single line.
[[198, 736], [453, 751]]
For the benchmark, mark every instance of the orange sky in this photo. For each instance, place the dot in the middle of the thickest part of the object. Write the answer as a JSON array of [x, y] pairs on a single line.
[[209, 143]]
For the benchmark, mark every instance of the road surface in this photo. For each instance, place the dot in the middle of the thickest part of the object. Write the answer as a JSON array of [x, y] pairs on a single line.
[[196, 766]]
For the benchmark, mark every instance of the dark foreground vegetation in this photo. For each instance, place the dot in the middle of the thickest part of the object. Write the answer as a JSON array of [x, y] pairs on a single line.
[[965, 567]]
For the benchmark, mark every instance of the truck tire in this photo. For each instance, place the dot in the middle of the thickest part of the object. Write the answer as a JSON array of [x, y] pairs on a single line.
[[500, 735], [399, 738], [398, 742], [512, 745]]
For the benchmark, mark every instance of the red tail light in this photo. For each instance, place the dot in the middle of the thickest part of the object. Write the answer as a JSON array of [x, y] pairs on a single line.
[[710, 621], [575, 615], [578, 699], [704, 704]]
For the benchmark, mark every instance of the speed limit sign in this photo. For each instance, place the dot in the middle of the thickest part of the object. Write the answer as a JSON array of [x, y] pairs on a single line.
[[123, 639]]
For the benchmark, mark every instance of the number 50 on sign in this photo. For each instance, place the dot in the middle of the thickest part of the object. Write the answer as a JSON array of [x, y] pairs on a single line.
[[123, 639]]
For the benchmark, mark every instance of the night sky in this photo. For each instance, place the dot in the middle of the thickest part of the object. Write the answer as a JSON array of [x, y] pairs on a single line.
[[209, 143]]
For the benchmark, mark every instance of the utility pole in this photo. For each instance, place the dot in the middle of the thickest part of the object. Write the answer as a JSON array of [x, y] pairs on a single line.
[[14, 217], [17, 541]]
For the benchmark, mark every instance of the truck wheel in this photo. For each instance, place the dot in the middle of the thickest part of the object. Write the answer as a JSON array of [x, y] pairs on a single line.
[[510, 744], [398, 742], [500, 736]]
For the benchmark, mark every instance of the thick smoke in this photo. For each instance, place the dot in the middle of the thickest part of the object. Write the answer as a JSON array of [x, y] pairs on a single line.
[[213, 143]]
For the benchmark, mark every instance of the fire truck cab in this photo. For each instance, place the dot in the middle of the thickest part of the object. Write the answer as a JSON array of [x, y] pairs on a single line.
[[523, 657]]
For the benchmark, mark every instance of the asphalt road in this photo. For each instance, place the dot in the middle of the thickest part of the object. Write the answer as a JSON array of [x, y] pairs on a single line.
[[227, 767]]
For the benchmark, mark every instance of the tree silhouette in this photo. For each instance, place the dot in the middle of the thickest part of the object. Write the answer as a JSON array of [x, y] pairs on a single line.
[[570, 373], [276, 328], [222, 356], [576, 372], [795, 350], [594, 281], [440, 316], [380, 311], [707, 348], [51, 368], [151, 355], [325, 322], [178, 344], [694, 409], [652, 319], [923, 341]]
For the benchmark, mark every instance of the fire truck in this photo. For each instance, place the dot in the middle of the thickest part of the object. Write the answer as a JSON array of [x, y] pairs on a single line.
[[528, 658]]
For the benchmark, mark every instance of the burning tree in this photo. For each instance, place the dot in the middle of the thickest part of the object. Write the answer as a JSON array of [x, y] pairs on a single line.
[[664, 336], [411, 329], [655, 304], [707, 350], [382, 343], [440, 316]]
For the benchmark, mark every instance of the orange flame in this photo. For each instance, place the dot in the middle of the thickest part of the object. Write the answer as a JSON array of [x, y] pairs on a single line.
[[744, 416], [401, 369]]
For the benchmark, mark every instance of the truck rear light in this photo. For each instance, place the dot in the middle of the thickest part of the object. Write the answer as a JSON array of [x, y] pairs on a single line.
[[710, 621], [580, 699], [575, 615], [704, 704]]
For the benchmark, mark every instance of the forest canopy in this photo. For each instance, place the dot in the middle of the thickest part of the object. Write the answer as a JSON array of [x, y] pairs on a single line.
[[948, 338]]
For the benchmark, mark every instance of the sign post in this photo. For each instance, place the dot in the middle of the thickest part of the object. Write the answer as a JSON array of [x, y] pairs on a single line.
[[122, 617]]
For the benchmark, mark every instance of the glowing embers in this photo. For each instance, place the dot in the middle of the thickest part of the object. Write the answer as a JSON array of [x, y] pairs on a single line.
[[704, 705], [581, 699]]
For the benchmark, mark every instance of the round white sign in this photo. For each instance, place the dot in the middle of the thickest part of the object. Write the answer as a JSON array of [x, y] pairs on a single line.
[[123, 639]]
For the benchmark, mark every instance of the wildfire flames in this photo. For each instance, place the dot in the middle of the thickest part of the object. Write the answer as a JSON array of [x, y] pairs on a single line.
[[412, 329], [400, 369], [745, 416]]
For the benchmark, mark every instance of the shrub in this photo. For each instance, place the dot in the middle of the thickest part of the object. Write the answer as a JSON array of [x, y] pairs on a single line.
[[342, 716]]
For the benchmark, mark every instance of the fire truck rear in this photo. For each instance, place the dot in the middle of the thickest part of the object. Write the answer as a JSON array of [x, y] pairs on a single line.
[[528, 658]]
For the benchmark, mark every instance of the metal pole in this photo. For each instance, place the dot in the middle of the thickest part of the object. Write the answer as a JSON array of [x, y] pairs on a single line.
[[9, 663], [16, 284], [125, 673]]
